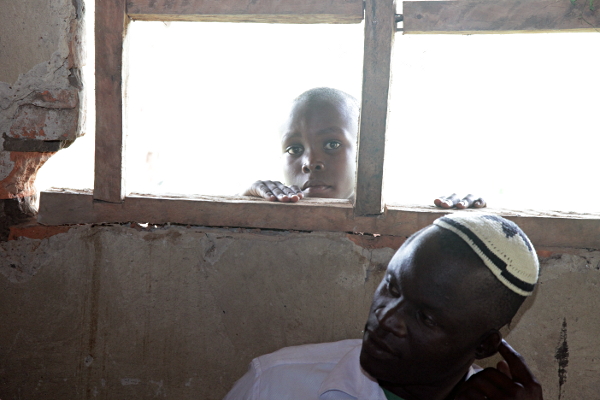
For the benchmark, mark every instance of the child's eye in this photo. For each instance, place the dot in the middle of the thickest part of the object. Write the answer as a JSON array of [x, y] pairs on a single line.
[[332, 145], [294, 150]]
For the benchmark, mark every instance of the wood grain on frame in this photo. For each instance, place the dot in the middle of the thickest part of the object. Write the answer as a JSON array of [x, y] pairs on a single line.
[[282, 11], [379, 34], [111, 22], [333, 215], [500, 16]]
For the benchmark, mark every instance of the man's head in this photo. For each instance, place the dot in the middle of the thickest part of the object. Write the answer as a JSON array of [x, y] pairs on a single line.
[[319, 143], [440, 305]]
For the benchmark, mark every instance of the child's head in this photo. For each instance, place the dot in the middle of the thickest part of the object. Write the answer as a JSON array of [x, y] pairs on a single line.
[[319, 143]]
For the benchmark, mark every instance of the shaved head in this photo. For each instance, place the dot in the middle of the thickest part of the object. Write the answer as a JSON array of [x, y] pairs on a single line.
[[496, 302], [324, 95]]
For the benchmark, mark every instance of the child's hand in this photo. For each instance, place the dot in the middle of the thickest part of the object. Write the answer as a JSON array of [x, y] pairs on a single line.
[[274, 191], [511, 380], [453, 201]]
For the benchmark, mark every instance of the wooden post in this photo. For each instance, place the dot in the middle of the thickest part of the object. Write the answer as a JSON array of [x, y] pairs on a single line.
[[380, 25], [111, 24]]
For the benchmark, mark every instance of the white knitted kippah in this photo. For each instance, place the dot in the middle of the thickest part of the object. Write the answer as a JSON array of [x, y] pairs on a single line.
[[502, 246]]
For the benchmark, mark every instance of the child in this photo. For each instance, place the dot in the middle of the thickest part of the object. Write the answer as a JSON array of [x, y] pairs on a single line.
[[318, 142]]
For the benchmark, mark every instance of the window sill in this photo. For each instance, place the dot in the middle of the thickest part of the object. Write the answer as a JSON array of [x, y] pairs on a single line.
[[64, 207]]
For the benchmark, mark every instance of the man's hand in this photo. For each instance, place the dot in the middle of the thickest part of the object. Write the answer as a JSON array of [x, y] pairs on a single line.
[[510, 380], [274, 191], [453, 201]]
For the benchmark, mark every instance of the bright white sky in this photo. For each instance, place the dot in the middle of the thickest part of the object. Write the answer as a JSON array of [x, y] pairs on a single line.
[[513, 118]]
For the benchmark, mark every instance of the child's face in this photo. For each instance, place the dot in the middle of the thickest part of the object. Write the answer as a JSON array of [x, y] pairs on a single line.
[[319, 149]]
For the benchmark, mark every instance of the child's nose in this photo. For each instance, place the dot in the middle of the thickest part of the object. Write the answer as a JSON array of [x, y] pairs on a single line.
[[308, 167], [312, 161]]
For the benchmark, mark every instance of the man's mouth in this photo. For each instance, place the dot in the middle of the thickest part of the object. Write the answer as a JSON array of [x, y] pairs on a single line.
[[377, 345]]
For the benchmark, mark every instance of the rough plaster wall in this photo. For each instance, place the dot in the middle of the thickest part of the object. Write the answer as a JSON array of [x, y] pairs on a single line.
[[116, 312], [557, 329], [113, 312], [27, 36], [36, 43], [41, 93]]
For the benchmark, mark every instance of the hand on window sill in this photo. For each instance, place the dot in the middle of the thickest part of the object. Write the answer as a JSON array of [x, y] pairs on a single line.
[[274, 191], [454, 201]]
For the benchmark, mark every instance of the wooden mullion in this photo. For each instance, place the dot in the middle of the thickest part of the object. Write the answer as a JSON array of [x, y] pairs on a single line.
[[380, 26], [282, 11], [111, 23], [500, 16]]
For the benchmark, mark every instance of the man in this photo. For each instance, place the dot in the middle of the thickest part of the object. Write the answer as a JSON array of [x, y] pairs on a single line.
[[445, 295]]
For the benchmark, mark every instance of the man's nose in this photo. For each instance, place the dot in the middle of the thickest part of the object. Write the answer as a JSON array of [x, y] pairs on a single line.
[[391, 318], [312, 163]]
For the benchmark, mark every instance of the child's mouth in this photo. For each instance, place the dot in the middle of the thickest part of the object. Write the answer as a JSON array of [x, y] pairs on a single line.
[[314, 188], [317, 189]]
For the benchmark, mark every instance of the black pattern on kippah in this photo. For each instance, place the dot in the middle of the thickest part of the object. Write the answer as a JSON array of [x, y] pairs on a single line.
[[510, 229], [528, 287]]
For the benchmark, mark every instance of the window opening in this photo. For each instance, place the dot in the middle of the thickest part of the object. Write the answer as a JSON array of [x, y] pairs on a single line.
[[205, 99], [512, 118]]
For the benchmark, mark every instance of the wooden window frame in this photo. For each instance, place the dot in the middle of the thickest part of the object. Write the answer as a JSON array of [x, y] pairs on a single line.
[[368, 213]]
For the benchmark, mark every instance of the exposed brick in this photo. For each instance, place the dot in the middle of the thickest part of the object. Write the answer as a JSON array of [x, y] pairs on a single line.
[[57, 98], [544, 253], [36, 231], [39, 123], [19, 181]]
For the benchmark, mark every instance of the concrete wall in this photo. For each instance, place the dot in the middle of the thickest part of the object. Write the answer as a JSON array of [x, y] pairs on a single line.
[[171, 312], [122, 311], [178, 312]]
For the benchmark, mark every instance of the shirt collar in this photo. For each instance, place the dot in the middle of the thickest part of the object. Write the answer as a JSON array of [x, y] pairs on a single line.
[[348, 377]]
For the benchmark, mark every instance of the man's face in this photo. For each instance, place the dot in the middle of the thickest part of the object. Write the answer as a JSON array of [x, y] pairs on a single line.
[[319, 149], [423, 329]]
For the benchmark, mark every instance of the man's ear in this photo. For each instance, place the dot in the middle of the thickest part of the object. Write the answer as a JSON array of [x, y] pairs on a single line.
[[488, 345]]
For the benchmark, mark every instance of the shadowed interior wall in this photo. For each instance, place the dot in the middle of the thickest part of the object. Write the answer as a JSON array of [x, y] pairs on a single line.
[[178, 312], [121, 311]]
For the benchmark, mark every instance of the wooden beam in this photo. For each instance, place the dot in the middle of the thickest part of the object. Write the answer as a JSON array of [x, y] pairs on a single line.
[[272, 11], [111, 22], [380, 26], [500, 16], [64, 207]]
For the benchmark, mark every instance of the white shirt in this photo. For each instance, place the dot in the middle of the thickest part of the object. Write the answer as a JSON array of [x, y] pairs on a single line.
[[324, 371]]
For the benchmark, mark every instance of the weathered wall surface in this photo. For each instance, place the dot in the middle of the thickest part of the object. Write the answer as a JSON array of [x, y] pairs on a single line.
[[556, 329], [40, 95], [174, 312], [114, 312]]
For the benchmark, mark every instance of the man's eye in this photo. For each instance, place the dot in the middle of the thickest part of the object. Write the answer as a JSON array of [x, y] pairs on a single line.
[[427, 320], [393, 290], [294, 150], [332, 145]]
